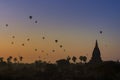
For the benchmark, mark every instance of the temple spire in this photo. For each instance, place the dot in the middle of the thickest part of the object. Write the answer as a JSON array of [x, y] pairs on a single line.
[[96, 45], [96, 55]]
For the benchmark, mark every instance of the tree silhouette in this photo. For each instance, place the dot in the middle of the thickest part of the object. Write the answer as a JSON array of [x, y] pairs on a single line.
[[62, 62], [15, 59], [68, 58], [84, 59], [20, 58], [1, 59], [81, 58], [74, 59], [9, 59]]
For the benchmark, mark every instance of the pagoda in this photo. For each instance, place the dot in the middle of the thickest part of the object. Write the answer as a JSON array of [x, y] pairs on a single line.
[[96, 55]]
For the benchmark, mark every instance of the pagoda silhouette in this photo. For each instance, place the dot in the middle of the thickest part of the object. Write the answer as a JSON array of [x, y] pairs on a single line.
[[96, 55]]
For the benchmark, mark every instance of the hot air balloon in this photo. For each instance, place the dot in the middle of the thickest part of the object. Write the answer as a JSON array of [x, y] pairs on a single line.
[[13, 36], [101, 32], [23, 44], [12, 42], [6, 25], [43, 38], [53, 50], [42, 51], [61, 46], [30, 17], [36, 21], [28, 39], [56, 41], [100, 28], [35, 49]]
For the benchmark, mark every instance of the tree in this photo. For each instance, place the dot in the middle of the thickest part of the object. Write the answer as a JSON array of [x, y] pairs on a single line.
[[68, 58], [74, 59], [84, 59], [9, 59], [1, 59], [62, 62], [81, 58], [20, 58], [15, 59]]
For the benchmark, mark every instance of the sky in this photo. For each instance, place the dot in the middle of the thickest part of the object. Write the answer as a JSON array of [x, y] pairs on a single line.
[[76, 24]]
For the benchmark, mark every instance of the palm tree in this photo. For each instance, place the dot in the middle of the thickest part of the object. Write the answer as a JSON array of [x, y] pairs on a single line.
[[74, 59], [81, 58], [68, 58], [20, 58], [1, 59], [15, 59], [84, 59], [9, 59]]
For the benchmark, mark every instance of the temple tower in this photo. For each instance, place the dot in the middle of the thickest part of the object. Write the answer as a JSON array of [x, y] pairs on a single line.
[[96, 55]]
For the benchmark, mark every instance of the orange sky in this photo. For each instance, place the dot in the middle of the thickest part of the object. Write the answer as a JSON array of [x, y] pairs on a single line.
[[76, 25]]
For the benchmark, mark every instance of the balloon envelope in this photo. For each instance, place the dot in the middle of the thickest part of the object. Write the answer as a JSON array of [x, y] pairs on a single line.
[[23, 44], [53, 50], [12, 42], [36, 21], [56, 41], [30, 17], [35, 49], [28, 39], [43, 37], [13, 36], [6, 25], [61, 46], [101, 32]]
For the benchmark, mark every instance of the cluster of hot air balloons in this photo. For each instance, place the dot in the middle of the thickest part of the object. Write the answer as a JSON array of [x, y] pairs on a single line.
[[13, 41], [31, 17], [28, 40], [14, 37]]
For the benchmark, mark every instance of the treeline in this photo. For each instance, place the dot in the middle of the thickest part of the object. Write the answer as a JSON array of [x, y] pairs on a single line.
[[19, 59], [10, 59], [63, 69]]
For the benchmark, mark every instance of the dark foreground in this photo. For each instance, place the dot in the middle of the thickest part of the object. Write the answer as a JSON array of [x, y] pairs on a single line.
[[44, 71]]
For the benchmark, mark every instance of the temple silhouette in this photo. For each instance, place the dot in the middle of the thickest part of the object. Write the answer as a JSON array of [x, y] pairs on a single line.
[[96, 55]]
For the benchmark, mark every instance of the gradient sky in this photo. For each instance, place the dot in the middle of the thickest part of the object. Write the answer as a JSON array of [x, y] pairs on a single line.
[[75, 23]]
